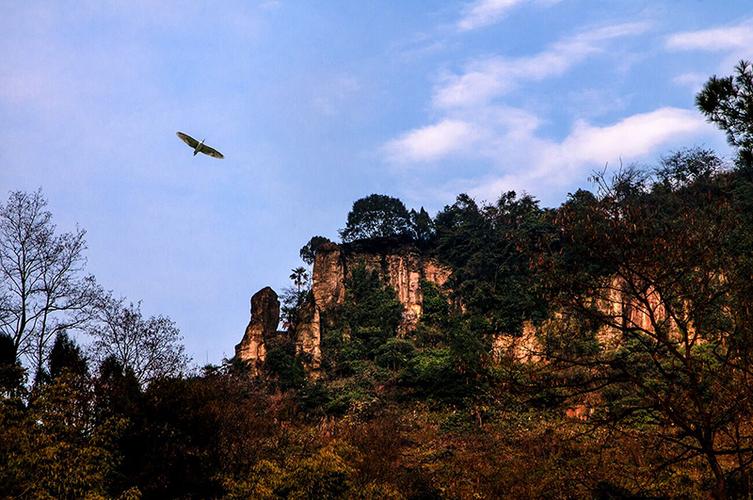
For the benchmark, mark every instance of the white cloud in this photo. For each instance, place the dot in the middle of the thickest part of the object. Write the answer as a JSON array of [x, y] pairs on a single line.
[[636, 135], [714, 39], [487, 78], [485, 12], [432, 142], [548, 165], [734, 42]]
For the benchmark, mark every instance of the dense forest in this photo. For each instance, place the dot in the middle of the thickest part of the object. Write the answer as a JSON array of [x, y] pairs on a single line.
[[658, 408]]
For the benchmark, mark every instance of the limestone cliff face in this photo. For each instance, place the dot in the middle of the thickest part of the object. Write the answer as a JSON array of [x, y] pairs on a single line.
[[402, 267], [328, 277], [265, 316], [308, 339], [620, 308]]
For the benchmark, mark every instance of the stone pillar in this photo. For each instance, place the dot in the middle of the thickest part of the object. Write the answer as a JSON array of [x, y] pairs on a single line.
[[308, 339], [265, 316]]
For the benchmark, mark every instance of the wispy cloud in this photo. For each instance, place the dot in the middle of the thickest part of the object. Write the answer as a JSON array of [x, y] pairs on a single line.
[[475, 125], [733, 42], [486, 12], [487, 78], [432, 142], [726, 38]]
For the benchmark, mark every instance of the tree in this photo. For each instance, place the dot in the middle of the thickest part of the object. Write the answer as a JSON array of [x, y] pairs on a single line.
[[657, 268], [11, 372], [490, 250], [308, 252], [422, 226], [151, 348], [44, 290], [300, 277], [66, 357], [377, 216], [728, 102]]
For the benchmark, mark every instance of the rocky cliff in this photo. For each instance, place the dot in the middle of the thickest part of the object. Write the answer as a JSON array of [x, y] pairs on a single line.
[[402, 267], [265, 316]]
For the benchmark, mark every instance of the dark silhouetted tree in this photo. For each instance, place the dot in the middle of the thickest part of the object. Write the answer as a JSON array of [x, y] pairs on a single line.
[[308, 252], [422, 226], [66, 357], [11, 372], [728, 102], [377, 216], [300, 277]]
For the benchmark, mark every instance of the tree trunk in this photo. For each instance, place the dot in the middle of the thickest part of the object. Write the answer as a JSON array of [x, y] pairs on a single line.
[[719, 490]]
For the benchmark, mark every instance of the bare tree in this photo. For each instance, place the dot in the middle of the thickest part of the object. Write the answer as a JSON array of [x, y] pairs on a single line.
[[150, 347], [43, 288]]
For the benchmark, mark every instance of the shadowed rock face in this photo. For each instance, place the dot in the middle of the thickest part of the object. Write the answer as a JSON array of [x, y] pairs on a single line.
[[265, 316]]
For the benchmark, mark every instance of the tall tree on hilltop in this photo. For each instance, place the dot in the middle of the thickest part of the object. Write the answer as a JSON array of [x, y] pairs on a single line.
[[728, 102], [422, 226], [43, 289], [490, 249], [377, 216], [308, 252]]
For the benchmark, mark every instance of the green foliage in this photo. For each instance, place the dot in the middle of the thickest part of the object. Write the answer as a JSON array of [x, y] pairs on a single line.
[[371, 314], [377, 216], [55, 448], [283, 366], [491, 249], [422, 227], [323, 475], [308, 251], [395, 354], [728, 102]]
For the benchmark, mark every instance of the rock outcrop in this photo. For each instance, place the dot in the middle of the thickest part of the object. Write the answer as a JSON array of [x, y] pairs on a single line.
[[265, 316], [402, 267], [308, 339]]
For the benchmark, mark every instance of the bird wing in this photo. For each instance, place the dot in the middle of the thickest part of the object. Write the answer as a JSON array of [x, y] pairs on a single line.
[[187, 139], [210, 151]]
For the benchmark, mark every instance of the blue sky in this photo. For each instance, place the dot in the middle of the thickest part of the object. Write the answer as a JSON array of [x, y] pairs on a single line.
[[316, 104]]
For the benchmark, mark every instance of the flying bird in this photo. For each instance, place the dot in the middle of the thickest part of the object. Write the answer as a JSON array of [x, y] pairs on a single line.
[[199, 147]]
